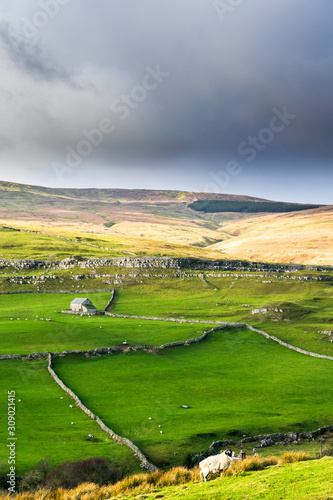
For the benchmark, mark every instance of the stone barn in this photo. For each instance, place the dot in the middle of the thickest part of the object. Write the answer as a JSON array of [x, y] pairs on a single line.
[[83, 306]]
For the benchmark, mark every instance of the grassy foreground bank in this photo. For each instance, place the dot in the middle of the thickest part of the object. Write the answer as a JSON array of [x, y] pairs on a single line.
[[308, 480]]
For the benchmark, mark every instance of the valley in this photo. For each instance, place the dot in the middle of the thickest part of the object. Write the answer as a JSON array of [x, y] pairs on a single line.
[[259, 284], [124, 222]]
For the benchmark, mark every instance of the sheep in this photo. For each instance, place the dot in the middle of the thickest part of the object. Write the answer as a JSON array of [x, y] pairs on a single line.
[[216, 464]]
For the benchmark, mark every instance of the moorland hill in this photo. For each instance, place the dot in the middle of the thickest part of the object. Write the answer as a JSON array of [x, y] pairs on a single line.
[[153, 222]]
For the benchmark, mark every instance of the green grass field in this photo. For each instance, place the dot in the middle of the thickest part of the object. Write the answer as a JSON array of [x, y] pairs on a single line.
[[43, 421], [48, 246], [21, 245], [308, 305], [235, 379], [24, 329]]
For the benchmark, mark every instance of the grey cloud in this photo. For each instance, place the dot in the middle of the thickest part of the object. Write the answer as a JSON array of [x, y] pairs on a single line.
[[225, 79], [32, 58]]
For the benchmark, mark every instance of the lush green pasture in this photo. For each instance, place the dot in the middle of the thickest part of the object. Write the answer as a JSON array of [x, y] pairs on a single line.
[[220, 298], [308, 305], [22, 245], [24, 329], [25, 245], [44, 421], [235, 379]]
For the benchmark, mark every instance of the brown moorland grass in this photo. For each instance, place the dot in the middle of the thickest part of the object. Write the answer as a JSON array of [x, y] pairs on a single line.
[[152, 222], [136, 484], [299, 237]]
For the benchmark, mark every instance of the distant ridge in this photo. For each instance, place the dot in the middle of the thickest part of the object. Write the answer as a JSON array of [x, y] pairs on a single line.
[[12, 189]]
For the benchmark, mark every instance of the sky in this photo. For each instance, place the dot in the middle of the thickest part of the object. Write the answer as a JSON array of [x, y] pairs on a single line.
[[229, 96]]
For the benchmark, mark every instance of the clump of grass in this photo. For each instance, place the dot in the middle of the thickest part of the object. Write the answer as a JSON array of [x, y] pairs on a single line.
[[291, 457], [251, 464], [85, 490], [137, 484], [178, 475], [329, 450], [144, 483], [260, 463]]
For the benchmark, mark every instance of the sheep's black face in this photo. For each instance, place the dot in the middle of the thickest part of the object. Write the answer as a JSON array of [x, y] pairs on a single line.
[[228, 452]]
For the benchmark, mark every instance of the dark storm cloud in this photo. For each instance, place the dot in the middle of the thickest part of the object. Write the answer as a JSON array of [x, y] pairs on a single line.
[[225, 77], [229, 67], [31, 58]]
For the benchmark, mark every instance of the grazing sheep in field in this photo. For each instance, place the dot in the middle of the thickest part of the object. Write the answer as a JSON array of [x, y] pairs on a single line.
[[216, 464]]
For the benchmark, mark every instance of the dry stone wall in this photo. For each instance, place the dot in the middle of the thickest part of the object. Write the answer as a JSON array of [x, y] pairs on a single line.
[[158, 263], [56, 291], [118, 439], [176, 320], [289, 346], [265, 440], [110, 301], [112, 350]]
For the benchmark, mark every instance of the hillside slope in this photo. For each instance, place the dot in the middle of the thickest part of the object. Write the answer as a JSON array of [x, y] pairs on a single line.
[[147, 215], [311, 480], [152, 222], [141, 221], [301, 481], [299, 237]]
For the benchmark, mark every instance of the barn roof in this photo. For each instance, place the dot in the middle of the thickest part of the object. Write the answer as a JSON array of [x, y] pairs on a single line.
[[80, 301]]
